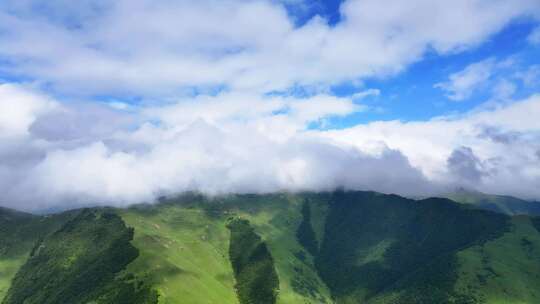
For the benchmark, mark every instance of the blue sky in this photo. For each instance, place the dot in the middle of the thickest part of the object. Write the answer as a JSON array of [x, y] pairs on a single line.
[[304, 11], [407, 95], [411, 97]]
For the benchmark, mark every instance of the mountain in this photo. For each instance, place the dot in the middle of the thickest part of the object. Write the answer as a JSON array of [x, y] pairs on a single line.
[[19, 233], [498, 203], [339, 247]]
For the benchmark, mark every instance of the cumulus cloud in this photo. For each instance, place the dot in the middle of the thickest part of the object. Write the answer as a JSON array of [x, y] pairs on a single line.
[[498, 78], [263, 145], [504, 139], [205, 158], [19, 108], [500, 136], [465, 167], [80, 122], [78, 154], [215, 112], [96, 47], [461, 85]]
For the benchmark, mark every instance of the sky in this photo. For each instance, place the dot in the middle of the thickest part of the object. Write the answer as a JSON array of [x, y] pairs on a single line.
[[119, 102]]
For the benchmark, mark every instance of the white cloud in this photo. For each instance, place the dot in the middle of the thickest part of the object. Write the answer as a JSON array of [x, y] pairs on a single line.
[[19, 109], [210, 118], [276, 116], [263, 145], [509, 167], [500, 78], [461, 85], [162, 48], [205, 158], [504, 89], [88, 154], [534, 36], [463, 165], [366, 93], [529, 76]]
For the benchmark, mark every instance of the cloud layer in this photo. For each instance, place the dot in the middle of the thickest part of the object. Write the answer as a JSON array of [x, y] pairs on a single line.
[[491, 149], [119, 102], [164, 150], [199, 147], [165, 48]]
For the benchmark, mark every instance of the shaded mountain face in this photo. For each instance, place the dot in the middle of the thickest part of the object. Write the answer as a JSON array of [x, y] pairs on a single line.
[[19, 233], [252, 263], [498, 203], [342, 247], [378, 244]]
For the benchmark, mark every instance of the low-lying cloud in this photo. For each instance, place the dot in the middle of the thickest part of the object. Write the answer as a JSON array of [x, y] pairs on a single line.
[[120, 102], [492, 149], [144, 153], [250, 149]]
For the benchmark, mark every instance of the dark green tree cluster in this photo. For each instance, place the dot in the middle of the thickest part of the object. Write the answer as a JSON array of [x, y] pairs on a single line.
[[536, 223], [256, 278], [81, 263], [305, 234], [19, 231], [15, 233]]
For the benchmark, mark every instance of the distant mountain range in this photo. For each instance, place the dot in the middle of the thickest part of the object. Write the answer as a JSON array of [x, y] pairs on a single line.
[[335, 247], [499, 203]]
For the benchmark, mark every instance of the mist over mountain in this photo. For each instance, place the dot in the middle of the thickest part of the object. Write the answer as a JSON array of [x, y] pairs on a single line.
[[51, 159], [497, 203]]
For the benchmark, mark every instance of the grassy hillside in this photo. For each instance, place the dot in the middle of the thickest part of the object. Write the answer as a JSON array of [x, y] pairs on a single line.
[[504, 270], [15, 243], [498, 203], [342, 247], [184, 247], [81, 263], [183, 253], [382, 244], [276, 219], [18, 234]]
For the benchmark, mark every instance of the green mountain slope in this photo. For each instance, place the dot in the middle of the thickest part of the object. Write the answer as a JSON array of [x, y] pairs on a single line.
[[184, 247], [81, 263], [377, 244], [506, 269], [18, 234], [341, 247], [498, 203]]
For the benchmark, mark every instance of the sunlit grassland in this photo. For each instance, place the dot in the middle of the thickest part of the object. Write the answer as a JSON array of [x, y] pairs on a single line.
[[183, 253], [8, 269], [184, 247], [505, 270]]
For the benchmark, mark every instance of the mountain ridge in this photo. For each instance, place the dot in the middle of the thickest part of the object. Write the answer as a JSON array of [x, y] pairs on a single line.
[[498, 203], [339, 247]]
